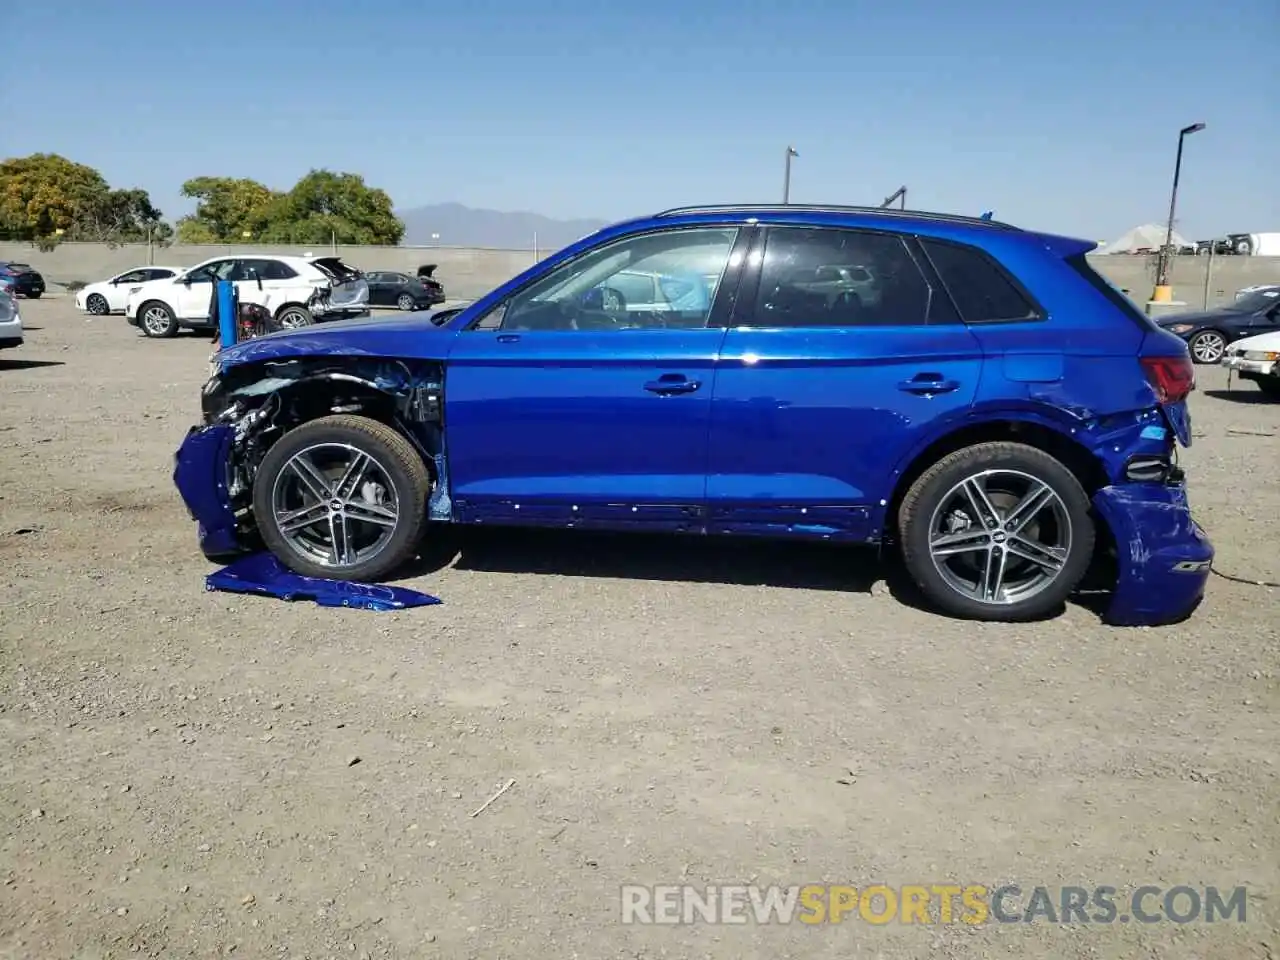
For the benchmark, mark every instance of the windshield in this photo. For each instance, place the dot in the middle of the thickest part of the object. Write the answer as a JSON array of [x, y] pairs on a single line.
[[1258, 300]]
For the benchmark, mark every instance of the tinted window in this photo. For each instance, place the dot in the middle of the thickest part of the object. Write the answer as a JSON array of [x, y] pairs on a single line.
[[982, 291], [133, 276], [159, 274], [688, 265], [394, 278], [838, 278], [276, 270]]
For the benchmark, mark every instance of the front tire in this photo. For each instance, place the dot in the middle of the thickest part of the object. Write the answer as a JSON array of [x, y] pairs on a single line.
[[1270, 386], [1207, 346], [997, 531], [156, 320], [343, 497], [97, 305]]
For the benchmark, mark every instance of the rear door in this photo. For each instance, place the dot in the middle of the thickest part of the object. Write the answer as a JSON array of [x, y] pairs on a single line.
[[819, 394]]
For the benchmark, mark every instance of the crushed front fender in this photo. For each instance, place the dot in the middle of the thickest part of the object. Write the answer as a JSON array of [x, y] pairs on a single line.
[[200, 474], [263, 574], [1162, 554]]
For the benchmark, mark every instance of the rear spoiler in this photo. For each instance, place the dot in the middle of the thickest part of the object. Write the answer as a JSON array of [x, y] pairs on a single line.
[[427, 270]]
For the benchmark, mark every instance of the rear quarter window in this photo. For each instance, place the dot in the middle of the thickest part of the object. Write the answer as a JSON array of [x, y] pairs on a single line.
[[1117, 298], [982, 290]]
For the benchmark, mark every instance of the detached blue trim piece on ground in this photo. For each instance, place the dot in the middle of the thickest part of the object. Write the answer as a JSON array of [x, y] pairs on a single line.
[[264, 575]]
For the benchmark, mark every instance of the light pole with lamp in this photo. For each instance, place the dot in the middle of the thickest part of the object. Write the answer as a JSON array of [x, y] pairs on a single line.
[[1163, 292], [786, 181]]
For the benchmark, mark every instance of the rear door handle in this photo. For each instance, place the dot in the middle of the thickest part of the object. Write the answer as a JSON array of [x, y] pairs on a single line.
[[928, 383], [670, 384]]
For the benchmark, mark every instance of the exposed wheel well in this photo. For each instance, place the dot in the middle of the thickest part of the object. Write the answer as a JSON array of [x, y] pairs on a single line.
[[311, 400], [1083, 465], [287, 306]]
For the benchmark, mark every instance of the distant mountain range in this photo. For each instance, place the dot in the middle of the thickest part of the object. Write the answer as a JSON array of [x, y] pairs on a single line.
[[459, 226]]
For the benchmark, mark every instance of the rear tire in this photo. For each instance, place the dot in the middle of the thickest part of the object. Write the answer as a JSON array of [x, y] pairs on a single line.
[[292, 316], [405, 302], [965, 509], [385, 529]]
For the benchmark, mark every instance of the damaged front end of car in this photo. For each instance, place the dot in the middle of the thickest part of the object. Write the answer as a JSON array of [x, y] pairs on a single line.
[[247, 408]]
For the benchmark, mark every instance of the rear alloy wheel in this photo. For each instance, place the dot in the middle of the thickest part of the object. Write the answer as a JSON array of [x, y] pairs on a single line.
[[1207, 346], [405, 302], [291, 318], [342, 497], [97, 305], [997, 531], [156, 320]]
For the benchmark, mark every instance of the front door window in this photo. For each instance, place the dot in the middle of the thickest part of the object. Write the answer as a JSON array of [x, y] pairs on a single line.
[[679, 270]]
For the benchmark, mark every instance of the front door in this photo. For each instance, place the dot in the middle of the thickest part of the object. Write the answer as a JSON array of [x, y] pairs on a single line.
[[564, 406], [194, 294], [823, 387]]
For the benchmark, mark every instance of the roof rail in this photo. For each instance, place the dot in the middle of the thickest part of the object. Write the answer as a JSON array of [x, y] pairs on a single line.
[[839, 208]]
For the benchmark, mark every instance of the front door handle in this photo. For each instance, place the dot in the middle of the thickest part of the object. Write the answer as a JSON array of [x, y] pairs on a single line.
[[672, 383], [508, 337], [928, 383]]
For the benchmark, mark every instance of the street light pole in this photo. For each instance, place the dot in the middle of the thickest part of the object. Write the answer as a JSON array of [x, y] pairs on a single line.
[[1163, 292], [786, 182]]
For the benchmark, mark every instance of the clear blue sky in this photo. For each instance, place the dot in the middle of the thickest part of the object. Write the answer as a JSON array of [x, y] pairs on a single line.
[[1059, 116]]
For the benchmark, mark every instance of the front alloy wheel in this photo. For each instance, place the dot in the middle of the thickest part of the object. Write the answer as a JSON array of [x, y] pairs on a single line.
[[1208, 346], [342, 497]]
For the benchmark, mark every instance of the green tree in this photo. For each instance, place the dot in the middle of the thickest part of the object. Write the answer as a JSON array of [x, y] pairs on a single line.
[[225, 209], [325, 206], [45, 197]]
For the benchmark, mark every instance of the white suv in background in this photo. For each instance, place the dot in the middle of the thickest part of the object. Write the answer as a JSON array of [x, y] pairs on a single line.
[[109, 296], [296, 290], [10, 322]]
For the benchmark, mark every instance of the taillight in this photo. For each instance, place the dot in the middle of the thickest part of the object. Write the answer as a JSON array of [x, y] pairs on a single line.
[[1172, 378]]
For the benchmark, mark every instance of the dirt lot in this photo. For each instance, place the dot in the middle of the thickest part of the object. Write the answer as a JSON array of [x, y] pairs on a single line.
[[179, 774]]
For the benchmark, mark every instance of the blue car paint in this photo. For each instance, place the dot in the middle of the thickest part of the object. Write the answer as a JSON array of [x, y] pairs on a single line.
[[200, 474], [778, 453], [264, 575], [1162, 554]]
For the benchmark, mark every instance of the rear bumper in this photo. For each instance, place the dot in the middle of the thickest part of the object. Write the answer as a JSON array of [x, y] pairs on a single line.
[[200, 474], [1162, 554]]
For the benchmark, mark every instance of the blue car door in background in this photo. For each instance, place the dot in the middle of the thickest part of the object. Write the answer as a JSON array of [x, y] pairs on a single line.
[[840, 356], [567, 404]]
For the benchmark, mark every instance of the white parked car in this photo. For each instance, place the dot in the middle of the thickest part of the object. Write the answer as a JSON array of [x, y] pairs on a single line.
[[10, 322], [1257, 358], [109, 296], [298, 291]]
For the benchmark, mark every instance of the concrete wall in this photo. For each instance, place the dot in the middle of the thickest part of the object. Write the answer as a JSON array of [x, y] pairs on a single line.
[[469, 273]]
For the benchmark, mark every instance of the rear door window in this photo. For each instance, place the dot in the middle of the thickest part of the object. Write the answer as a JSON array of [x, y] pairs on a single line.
[[806, 281], [982, 291]]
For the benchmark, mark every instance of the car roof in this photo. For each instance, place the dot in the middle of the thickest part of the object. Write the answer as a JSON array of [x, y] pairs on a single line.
[[958, 227]]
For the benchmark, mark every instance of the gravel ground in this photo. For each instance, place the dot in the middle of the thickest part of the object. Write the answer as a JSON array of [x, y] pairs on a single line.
[[194, 774]]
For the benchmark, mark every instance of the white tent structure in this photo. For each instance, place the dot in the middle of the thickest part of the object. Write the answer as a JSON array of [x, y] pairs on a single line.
[[1149, 235]]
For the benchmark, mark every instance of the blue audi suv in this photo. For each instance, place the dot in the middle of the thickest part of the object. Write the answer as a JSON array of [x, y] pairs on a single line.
[[982, 402]]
